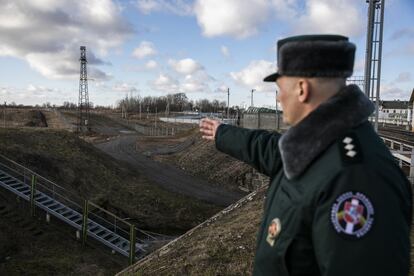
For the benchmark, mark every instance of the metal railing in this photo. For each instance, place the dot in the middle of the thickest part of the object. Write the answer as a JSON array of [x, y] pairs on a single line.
[[140, 242], [404, 154]]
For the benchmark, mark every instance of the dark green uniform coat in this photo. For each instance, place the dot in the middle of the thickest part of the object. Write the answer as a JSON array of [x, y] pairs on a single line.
[[338, 204]]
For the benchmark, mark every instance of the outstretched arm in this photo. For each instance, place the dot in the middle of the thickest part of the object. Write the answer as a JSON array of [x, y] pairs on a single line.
[[258, 148]]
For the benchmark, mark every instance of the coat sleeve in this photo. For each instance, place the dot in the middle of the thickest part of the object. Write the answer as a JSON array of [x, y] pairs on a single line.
[[345, 246], [258, 148]]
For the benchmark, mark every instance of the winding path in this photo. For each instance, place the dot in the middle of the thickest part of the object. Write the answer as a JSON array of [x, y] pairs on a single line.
[[168, 177]]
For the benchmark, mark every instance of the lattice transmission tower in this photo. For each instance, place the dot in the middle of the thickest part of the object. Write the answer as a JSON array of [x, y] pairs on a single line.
[[83, 103], [373, 54]]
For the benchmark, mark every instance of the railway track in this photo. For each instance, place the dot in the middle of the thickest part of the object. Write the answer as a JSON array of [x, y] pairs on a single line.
[[399, 135]]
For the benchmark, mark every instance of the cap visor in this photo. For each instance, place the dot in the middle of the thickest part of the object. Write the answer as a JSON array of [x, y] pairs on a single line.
[[271, 78]]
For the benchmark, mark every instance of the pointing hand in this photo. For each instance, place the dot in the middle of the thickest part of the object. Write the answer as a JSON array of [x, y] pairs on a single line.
[[208, 128]]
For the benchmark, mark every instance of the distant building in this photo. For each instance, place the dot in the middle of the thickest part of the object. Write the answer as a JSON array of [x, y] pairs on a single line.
[[395, 112]]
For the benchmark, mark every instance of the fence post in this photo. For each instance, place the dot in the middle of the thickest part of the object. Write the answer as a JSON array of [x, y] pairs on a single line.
[[131, 244], [32, 195], [85, 222]]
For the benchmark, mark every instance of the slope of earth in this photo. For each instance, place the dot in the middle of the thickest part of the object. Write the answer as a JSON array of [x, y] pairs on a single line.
[[222, 245], [200, 158], [166, 176], [22, 117], [100, 123], [55, 120], [88, 172], [31, 247]]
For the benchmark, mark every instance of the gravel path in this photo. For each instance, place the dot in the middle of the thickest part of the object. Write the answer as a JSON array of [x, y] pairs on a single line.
[[168, 177]]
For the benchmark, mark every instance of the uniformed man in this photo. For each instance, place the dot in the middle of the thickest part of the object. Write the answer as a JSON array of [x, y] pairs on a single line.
[[338, 204]]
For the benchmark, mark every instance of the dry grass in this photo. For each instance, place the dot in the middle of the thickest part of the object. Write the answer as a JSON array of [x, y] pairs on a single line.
[[223, 245], [88, 172]]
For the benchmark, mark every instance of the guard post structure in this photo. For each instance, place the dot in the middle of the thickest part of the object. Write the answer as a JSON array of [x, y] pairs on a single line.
[[32, 195], [85, 222], [131, 244]]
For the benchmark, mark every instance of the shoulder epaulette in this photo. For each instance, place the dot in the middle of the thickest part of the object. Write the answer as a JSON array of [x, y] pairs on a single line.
[[350, 149]]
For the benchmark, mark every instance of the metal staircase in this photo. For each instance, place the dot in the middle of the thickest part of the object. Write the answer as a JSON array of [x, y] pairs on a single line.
[[101, 225]]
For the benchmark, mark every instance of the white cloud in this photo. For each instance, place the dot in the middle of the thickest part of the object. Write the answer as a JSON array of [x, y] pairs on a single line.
[[330, 16], [222, 88], [252, 76], [185, 66], [165, 83], [403, 33], [148, 6], [145, 49], [225, 51], [392, 92], [193, 84], [237, 18], [47, 34], [285, 9], [404, 77], [190, 83], [36, 94], [124, 87], [151, 64], [243, 18], [179, 7]]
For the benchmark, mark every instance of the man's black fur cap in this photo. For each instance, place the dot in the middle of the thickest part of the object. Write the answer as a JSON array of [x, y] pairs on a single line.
[[314, 56]]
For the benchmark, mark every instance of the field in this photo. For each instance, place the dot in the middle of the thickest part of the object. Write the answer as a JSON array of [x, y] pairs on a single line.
[[85, 170]]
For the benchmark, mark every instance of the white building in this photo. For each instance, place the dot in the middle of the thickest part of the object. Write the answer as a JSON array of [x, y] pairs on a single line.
[[395, 112]]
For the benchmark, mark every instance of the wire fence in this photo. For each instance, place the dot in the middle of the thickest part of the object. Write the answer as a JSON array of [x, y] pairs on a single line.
[[156, 131]]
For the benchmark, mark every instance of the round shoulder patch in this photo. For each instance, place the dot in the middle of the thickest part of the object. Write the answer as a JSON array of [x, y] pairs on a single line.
[[352, 214]]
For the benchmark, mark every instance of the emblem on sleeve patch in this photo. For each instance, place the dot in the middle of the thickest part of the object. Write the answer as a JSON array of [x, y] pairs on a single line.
[[352, 214], [273, 231]]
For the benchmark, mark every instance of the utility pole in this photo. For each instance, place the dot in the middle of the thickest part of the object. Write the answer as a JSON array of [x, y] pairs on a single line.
[[228, 103], [252, 97], [83, 103]]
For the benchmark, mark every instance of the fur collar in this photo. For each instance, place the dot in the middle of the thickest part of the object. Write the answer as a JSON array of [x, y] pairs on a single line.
[[302, 143]]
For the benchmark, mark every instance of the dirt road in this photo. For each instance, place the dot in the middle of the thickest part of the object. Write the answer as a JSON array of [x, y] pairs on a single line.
[[168, 177]]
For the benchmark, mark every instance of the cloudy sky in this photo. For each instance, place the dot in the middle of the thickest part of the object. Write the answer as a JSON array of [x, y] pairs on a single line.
[[199, 47]]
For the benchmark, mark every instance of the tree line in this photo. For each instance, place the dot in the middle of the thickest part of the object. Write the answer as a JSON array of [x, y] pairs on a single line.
[[178, 102]]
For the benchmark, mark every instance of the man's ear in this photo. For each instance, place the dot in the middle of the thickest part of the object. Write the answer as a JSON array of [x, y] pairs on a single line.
[[304, 91]]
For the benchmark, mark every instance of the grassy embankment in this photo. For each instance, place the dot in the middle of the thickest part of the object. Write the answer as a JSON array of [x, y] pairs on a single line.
[[90, 173]]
